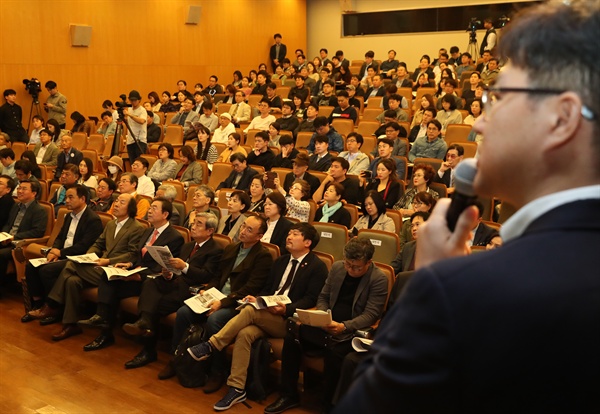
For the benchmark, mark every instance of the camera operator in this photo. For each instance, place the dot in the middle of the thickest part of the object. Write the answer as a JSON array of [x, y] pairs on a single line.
[[489, 40], [11, 117], [138, 144], [56, 104]]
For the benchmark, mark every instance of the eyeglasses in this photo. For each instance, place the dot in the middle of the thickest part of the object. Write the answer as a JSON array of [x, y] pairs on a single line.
[[348, 265], [493, 95]]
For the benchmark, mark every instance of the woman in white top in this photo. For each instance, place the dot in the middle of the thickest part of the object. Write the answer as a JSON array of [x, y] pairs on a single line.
[[450, 115], [474, 112], [374, 217], [165, 167], [298, 207], [86, 174]]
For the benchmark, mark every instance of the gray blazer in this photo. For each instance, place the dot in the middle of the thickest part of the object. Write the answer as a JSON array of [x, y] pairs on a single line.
[[51, 153], [234, 232], [369, 300], [192, 175], [191, 117]]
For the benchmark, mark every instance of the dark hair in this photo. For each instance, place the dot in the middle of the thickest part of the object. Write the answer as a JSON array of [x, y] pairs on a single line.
[[237, 156], [182, 81], [266, 101], [289, 104], [450, 99], [265, 74], [132, 207], [436, 123], [322, 138], [342, 161], [244, 199], [279, 200], [422, 214], [112, 186], [50, 84], [426, 57], [387, 141], [286, 139], [78, 118], [389, 165], [169, 149], [105, 113], [308, 232], [425, 198], [263, 135], [320, 121], [454, 49], [358, 137], [326, 69], [166, 205], [359, 248], [132, 178], [7, 153], [30, 156], [201, 149], [339, 189], [428, 171], [236, 136], [35, 186], [81, 191], [188, 152], [329, 82], [459, 148], [9, 92], [24, 166], [377, 200], [39, 118], [390, 113], [143, 161], [451, 82], [10, 182], [272, 85], [432, 110], [155, 96], [343, 94], [305, 188], [370, 54], [90, 167], [480, 105], [394, 125], [57, 129], [238, 74]]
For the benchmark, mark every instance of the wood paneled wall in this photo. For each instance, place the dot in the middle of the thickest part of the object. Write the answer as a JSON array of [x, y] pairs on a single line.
[[137, 44]]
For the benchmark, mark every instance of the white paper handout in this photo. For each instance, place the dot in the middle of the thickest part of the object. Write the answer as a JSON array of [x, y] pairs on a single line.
[[162, 255], [314, 317], [201, 302], [361, 344], [264, 302], [116, 273], [5, 236], [38, 262], [89, 258]]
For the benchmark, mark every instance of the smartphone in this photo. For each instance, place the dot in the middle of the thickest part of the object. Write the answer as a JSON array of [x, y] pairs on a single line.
[[270, 181], [366, 173]]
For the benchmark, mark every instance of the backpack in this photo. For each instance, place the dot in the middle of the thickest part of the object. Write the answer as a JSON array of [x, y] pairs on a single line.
[[190, 373], [257, 382]]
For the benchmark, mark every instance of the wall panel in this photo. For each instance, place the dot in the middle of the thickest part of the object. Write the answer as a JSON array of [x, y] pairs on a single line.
[[138, 44]]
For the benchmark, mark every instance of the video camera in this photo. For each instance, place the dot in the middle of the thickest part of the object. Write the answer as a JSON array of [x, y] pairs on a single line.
[[472, 27], [33, 86], [121, 105]]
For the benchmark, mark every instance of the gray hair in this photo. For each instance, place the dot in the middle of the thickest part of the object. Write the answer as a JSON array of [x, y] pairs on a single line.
[[170, 191], [207, 191], [212, 222], [359, 249]]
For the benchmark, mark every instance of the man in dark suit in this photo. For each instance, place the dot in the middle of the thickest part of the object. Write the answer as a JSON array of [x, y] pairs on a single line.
[[300, 172], [68, 155], [118, 243], [299, 275], [337, 173], [241, 176], [243, 270], [514, 328], [27, 220], [198, 263], [355, 291], [68, 178], [482, 233], [376, 90], [79, 231], [445, 174], [110, 292], [320, 160], [277, 52], [368, 63], [7, 186]]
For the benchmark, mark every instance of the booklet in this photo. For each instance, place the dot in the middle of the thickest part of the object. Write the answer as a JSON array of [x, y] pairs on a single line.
[[361, 344], [263, 302], [90, 258], [201, 302], [5, 236], [314, 317], [162, 255], [38, 262], [115, 273]]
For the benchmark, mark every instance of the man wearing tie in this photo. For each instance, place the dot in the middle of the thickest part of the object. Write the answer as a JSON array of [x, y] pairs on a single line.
[[445, 175], [68, 155], [240, 111], [299, 275], [111, 292]]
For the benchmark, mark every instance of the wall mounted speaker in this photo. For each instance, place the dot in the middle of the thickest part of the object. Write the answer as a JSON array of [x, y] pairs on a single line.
[[81, 36], [193, 15]]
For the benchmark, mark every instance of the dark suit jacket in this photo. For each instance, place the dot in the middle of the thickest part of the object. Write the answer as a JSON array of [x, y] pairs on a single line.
[[405, 257], [369, 299], [287, 162], [6, 203], [323, 164], [309, 178], [307, 283], [123, 248], [204, 264], [169, 237], [88, 230], [248, 278], [467, 327], [245, 181], [342, 216], [282, 52], [54, 200], [264, 159], [445, 178], [363, 68], [483, 234], [280, 233], [61, 161], [380, 92], [32, 225]]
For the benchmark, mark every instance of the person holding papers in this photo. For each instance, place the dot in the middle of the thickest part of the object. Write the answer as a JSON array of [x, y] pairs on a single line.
[[110, 292], [80, 230], [118, 243], [355, 291], [299, 276], [243, 271], [198, 263]]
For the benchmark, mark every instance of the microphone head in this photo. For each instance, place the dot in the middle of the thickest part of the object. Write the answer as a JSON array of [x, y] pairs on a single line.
[[464, 176]]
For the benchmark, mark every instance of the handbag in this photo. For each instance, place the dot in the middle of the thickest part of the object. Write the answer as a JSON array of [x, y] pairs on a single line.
[[190, 373]]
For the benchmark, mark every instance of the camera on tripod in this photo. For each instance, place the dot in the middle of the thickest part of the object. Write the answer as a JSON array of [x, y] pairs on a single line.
[[472, 27], [121, 105], [34, 87]]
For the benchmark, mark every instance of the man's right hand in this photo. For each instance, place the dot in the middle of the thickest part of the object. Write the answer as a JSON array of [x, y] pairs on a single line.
[[177, 263], [444, 167]]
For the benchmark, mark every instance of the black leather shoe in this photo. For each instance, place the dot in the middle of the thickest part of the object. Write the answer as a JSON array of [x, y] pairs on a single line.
[[139, 328], [95, 321], [27, 318], [167, 372], [49, 320], [102, 341], [214, 383], [282, 404], [141, 359]]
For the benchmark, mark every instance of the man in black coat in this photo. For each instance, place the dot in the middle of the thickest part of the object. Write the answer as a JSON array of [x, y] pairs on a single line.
[[7, 186], [68, 155], [11, 117], [79, 231], [241, 176], [300, 276], [277, 52]]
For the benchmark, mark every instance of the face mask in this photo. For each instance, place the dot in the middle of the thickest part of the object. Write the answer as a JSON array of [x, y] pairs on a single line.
[[113, 169]]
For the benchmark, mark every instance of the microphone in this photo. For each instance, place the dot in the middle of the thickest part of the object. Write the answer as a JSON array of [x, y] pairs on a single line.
[[464, 195]]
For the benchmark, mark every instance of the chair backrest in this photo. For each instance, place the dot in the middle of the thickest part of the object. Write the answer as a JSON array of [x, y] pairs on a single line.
[[44, 187], [367, 129], [326, 258], [387, 245], [343, 126], [49, 207], [180, 206], [223, 108], [488, 208], [79, 140], [434, 162], [391, 276], [220, 172], [371, 113], [92, 155], [325, 110], [185, 233], [333, 238], [52, 190], [253, 100], [18, 148], [169, 116], [273, 249], [104, 217], [205, 171], [313, 210], [106, 152], [174, 134], [406, 93], [60, 221], [396, 217], [151, 159], [492, 224], [506, 210], [282, 91], [319, 174], [374, 102], [222, 240], [259, 168], [303, 139], [145, 223], [224, 195], [250, 137], [220, 147], [440, 188], [457, 133], [281, 172], [470, 149], [424, 91], [96, 142], [353, 210]]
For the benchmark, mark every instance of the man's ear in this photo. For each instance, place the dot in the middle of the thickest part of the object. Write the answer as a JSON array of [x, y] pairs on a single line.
[[564, 118]]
